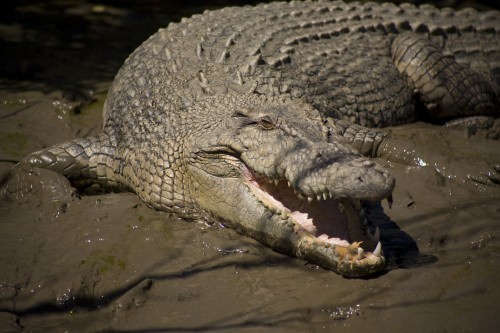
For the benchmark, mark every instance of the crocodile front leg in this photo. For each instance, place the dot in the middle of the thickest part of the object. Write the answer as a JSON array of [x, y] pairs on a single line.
[[449, 152], [453, 156], [363, 139], [84, 160]]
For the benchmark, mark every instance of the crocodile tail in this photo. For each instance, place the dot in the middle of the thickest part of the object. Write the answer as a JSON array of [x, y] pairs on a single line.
[[90, 158], [446, 87]]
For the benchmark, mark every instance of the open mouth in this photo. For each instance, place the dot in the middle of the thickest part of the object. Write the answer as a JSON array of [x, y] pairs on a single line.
[[324, 220]]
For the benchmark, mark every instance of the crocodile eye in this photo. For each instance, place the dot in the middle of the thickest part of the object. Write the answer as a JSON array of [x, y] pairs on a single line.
[[266, 123]]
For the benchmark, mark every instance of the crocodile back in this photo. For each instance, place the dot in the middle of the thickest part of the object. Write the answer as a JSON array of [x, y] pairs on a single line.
[[333, 55]]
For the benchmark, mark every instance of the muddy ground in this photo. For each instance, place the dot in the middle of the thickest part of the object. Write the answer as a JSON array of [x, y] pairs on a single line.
[[105, 262]]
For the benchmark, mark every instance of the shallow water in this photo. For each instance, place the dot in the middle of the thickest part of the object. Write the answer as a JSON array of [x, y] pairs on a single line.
[[107, 262]]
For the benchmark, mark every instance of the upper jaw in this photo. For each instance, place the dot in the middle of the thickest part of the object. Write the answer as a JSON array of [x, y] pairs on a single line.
[[327, 172], [322, 170]]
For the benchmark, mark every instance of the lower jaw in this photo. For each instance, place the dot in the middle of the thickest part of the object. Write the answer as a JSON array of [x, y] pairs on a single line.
[[301, 237], [344, 260]]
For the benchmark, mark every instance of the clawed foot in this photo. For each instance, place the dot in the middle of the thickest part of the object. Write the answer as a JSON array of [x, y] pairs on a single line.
[[477, 126], [26, 183]]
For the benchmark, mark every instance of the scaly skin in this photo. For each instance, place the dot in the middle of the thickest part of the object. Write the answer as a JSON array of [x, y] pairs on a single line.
[[257, 115]]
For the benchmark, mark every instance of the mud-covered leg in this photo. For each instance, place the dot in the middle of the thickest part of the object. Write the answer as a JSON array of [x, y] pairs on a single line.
[[482, 126], [91, 158], [86, 158], [449, 152], [458, 96], [446, 88]]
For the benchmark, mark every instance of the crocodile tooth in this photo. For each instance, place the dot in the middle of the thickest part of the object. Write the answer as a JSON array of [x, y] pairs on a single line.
[[325, 196], [376, 237], [330, 195], [289, 185], [318, 197], [341, 207], [356, 245], [357, 204], [275, 181], [378, 250], [360, 252], [309, 199]]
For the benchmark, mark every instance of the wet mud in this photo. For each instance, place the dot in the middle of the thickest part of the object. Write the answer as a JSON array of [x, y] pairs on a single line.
[[105, 262]]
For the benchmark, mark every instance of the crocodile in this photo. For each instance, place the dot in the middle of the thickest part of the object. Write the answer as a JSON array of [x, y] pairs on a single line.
[[267, 117]]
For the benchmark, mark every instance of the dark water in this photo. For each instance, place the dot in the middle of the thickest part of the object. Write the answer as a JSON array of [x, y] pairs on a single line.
[[107, 262]]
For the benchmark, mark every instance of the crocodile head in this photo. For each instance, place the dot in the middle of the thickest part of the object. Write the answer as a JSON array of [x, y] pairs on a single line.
[[267, 170]]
